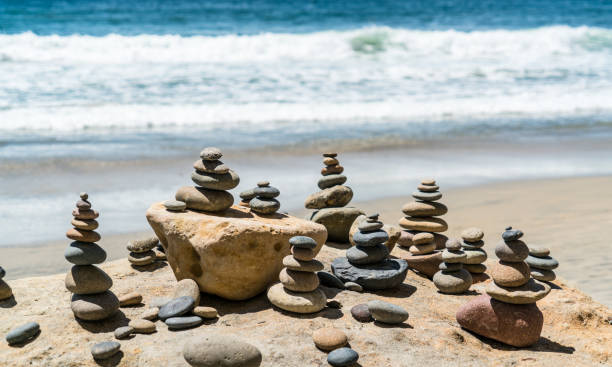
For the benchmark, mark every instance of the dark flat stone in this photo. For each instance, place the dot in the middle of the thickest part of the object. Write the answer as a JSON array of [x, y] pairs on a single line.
[[342, 357], [105, 350], [302, 242], [370, 238], [22, 333], [330, 280], [389, 273], [183, 322], [177, 307], [84, 253]]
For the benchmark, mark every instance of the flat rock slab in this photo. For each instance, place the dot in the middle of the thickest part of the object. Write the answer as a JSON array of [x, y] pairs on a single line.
[[235, 254], [389, 273]]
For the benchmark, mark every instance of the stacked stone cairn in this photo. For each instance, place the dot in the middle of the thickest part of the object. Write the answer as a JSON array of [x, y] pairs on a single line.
[[141, 251], [264, 201], [472, 246], [508, 313], [213, 179], [246, 197], [541, 264], [422, 227], [92, 300], [330, 203], [5, 289], [367, 263], [452, 278], [299, 290]]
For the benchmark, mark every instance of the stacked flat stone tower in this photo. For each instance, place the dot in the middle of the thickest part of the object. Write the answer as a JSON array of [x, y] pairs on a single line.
[[472, 246], [331, 201], [421, 229], [452, 278], [264, 201], [367, 263], [212, 178], [541, 264], [141, 251], [92, 300], [508, 313], [299, 290], [5, 289]]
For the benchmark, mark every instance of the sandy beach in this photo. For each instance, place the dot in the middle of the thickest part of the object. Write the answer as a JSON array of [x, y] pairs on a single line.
[[571, 216]]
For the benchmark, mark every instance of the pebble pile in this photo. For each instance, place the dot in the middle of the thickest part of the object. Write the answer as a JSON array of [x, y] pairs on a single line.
[[472, 246], [541, 264], [5, 289], [422, 227], [299, 290], [213, 179], [508, 312], [92, 300], [367, 263], [141, 251], [264, 201], [330, 203], [452, 278]]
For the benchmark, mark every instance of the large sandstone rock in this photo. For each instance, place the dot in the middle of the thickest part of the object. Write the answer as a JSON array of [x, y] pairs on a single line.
[[338, 222], [516, 325], [235, 254], [393, 232]]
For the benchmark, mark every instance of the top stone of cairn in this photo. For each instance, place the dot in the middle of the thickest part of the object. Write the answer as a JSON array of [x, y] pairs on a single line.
[[211, 154]]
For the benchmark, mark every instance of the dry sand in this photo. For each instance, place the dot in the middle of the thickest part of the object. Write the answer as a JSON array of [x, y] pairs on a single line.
[[573, 217]]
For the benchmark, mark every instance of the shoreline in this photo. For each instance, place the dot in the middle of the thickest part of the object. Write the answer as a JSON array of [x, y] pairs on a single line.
[[571, 216]]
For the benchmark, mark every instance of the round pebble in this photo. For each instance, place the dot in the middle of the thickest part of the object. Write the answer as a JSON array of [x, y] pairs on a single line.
[[422, 238], [85, 224], [92, 307], [423, 249], [512, 250], [472, 234], [205, 312], [292, 263], [183, 322], [543, 274], [142, 245], [370, 238], [302, 242], [331, 180], [142, 326], [130, 299], [387, 312], [87, 279], [123, 332], [22, 333], [428, 182], [267, 192], [303, 254], [352, 286], [150, 313], [538, 251], [328, 161], [475, 256], [367, 226], [361, 313], [298, 281], [210, 166], [176, 307], [175, 205], [512, 234], [453, 256], [105, 350], [83, 253], [342, 357], [211, 154], [453, 244], [510, 274], [247, 195], [188, 287], [264, 206], [329, 338], [81, 235]]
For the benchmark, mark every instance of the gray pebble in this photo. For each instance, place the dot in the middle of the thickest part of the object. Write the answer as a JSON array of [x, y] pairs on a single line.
[[177, 307], [123, 332], [22, 333], [183, 322], [105, 350]]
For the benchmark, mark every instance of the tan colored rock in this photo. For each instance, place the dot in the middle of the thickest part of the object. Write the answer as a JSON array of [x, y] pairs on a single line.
[[426, 224], [188, 287], [202, 199], [530, 292], [205, 312], [150, 313], [298, 302], [299, 281], [422, 249], [86, 224], [93, 307], [236, 254], [475, 256], [509, 274], [329, 338], [424, 209], [83, 235], [143, 326], [303, 254], [423, 238], [130, 299]]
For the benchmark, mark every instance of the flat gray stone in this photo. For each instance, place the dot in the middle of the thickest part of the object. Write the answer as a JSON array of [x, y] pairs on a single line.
[[370, 238], [358, 255], [176, 307], [302, 242], [331, 180], [216, 181], [387, 312], [175, 205], [123, 332], [84, 253], [545, 262], [342, 357], [22, 333], [330, 280], [389, 273], [264, 206], [183, 322], [105, 350]]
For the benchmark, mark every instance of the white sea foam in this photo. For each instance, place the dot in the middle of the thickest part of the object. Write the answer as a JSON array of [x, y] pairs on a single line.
[[343, 77]]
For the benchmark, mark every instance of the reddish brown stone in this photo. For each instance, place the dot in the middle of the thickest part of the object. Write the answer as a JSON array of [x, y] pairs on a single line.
[[427, 264], [516, 325]]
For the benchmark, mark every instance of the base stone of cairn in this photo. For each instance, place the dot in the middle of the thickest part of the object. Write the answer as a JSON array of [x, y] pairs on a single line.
[[92, 299], [5, 289], [421, 238], [299, 290], [367, 263], [330, 202], [452, 278], [393, 232], [508, 313], [541, 264]]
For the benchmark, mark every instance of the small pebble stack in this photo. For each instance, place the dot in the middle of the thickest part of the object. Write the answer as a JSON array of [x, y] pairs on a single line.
[[472, 246], [452, 278], [264, 201], [141, 251], [541, 264], [5, 290], [246, 197], [299, 290], [92, 300], [213, 179]]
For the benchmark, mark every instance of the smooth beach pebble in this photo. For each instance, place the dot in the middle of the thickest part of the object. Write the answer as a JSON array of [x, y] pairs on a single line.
[[22, 333], [298, 281], [453, 244], [330, 280], [424, 209], [422, 249], [83, 253], [150, 313], [329, 338], [142, 245], [216, 350], [130, 299], [427, 196], [123, 332], [426, 188], [352, 286], [141, 258], [268, 192], [543, 274], [361, 313], [545, 262], [85, 214], [214, 166], [205, 312], [83, 204], [86, 224], [83, 235], [367, 255], [475, 256], [211, 154], [530, 292], [450, 266], [105, 350], [332, 170], [453, 256], [472, 234], [303, 254], [188, 287], [538, 251], [428, 182], [93, 307], [331, 180], [183, 322], [472, 245], [475, 268], [329, 161], [387, 312], [425, 224], [512, 250], [215, 181], [422, 238], [292, 263], [510, 274], [367, 226], [302, 242], [262, 205], [87, 279], [159, 301], [512, 234], [370, 238], [342, 357], [176, 307], [142, 326], [175, 205]]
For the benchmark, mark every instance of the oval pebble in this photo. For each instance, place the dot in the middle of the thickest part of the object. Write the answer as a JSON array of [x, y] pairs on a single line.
[[352, 286], [143, 326], [130, 299], [105, 350], [361, 313], [150, 313], [302, 242], [215, 350], [330, 280], [205, 312], [123, 332], [329, 338], [183, 322], [545, 262], [22, 333], [538, 251], [387, 312], [175, 205], [84, 253], [177, 307], [188, 287], [342, 357], [370, 238]]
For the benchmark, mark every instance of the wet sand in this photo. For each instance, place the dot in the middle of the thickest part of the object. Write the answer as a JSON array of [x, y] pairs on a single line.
[[571, 216]]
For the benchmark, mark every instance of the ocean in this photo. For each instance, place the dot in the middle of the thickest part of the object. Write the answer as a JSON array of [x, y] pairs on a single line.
[[118, 97]]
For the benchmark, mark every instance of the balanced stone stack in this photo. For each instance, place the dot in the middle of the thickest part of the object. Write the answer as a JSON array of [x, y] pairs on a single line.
[[92, 299], [541, 264], [264, 201], [452, 278], [299, 290], [246, 197], [422, 227], [5, 289], [367, 263], [213, 179], [330, 203], [508, 313], [472, 246], [141, 251]]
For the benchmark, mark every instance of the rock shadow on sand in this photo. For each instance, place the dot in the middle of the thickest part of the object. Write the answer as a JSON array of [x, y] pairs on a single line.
[[9, 302], [543, 345], [402, 291], [151, 267], [105, 326]]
